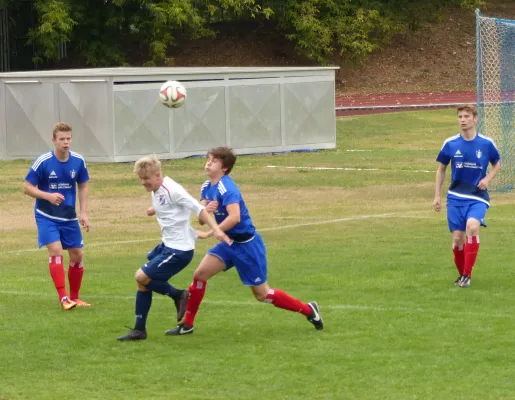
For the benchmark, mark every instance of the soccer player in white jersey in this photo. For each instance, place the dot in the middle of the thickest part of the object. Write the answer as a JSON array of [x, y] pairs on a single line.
[[52, 181], [247, 253], [469, 153], [173, 206]]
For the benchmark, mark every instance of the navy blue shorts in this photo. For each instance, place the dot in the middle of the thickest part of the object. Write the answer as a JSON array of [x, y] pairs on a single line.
[[249, 258], [66, 232], [457, 216], [164, 262]]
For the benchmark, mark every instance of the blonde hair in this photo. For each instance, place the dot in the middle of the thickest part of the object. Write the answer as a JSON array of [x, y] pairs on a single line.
[[60, 127], [471, 108], [147, 164]]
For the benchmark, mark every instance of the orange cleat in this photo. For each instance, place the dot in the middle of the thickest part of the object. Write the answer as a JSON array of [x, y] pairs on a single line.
[[81, 303], [67, 304]]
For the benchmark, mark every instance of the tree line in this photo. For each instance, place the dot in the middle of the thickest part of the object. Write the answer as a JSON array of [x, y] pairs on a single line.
[[105, 32]]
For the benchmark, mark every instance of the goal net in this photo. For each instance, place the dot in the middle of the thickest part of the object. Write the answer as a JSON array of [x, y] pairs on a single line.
[[495, 58]]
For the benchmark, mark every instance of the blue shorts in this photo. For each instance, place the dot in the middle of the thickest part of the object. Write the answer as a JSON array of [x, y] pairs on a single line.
[[249, 258], [165, 262], [457, 216], [66, 232]]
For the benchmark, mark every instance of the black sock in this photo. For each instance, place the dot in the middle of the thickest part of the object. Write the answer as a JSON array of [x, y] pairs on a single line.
[[164, 288], [143, 303]]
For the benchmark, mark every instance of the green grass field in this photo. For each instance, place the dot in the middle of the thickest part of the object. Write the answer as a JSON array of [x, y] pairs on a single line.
[[365, 244]]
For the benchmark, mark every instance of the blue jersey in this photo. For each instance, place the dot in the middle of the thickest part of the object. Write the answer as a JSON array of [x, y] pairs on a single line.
[[54, 176], [469, 162], [226, 192]]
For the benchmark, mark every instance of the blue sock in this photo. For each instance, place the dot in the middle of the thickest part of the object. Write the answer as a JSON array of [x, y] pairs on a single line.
[[163, 287], [143, 303]]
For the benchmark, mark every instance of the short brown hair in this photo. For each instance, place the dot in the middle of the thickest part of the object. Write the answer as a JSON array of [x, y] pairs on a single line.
[[471, 108], [225, 155], [61, 127]]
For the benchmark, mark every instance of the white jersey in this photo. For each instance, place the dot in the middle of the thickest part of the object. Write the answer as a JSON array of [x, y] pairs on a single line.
[[174, 205]]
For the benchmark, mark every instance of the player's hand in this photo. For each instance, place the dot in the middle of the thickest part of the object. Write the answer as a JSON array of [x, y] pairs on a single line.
[[483, 184], [84, 221], [151, 211], [212, 206], [55, 198], [222, 236], [437, 204], [202, 234]]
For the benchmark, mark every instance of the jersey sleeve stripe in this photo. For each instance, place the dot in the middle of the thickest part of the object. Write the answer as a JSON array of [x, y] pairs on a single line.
[[41, 158], [449, 139], [221, 188], [489, 139], [77, 155]]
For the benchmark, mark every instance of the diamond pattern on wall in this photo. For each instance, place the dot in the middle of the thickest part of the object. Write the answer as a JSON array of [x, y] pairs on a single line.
[[255, 116], [309, 112], [142, 123], [30, 115], [84, 107], [200, 123]]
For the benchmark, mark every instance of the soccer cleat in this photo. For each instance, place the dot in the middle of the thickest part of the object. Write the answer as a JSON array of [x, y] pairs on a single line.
[[134, 334], [67, 304], [181, 329], [81, 303], [457, 281], [180, 304], [315, 318], [464, 281]]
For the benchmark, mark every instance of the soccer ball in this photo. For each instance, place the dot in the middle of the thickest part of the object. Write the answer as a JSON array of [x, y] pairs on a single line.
[[172, 94]]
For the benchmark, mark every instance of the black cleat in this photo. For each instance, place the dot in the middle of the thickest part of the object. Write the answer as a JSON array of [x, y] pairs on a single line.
[[181, 329], [180, 304], [458, 280], [134, 334], [315, 318], [464, 281]]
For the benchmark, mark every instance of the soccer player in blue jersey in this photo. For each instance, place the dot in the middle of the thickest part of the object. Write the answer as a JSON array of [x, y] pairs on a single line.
[[173, 206], [469, 153], [52, 181], [247, 252]]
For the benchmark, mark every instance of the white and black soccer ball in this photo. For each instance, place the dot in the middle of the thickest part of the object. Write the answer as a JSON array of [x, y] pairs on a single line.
[[172, 94]]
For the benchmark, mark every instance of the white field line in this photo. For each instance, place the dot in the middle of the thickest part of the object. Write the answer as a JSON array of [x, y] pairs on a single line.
[[408, 310], [348, 169], [276, 228]]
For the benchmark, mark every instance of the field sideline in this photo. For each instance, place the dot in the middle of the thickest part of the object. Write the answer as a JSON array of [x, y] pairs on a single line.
[[352, 228]]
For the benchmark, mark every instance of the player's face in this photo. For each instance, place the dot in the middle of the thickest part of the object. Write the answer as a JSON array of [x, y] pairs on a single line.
[[214, 166], [62, 141], [466, 120], [151, 180]]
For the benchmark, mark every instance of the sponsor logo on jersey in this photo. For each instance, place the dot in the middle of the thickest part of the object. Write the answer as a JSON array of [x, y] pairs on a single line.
[[458, 153], [459, 165], [52, 175]]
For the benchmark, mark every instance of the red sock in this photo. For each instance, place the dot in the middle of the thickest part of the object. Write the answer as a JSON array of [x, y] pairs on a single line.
[[283, 300], [197, 290], [471, 249], [459, 257], [57, 273], [75, 272]]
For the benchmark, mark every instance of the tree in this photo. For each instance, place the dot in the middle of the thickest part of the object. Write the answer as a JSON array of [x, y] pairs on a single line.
[[107, 32]]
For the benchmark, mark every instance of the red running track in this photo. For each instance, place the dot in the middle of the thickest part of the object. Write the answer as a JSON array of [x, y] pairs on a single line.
[[377, 103]]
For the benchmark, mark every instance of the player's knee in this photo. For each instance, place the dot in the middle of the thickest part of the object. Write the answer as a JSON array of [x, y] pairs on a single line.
[[201, 275], [141, 277], [260, 297], [472, 227], [76, 255]]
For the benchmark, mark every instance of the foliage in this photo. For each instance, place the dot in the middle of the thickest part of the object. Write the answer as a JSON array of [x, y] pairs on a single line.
[[112, 32]]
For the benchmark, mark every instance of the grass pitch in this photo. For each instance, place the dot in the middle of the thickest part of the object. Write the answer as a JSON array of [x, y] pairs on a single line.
[[363, 243]]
